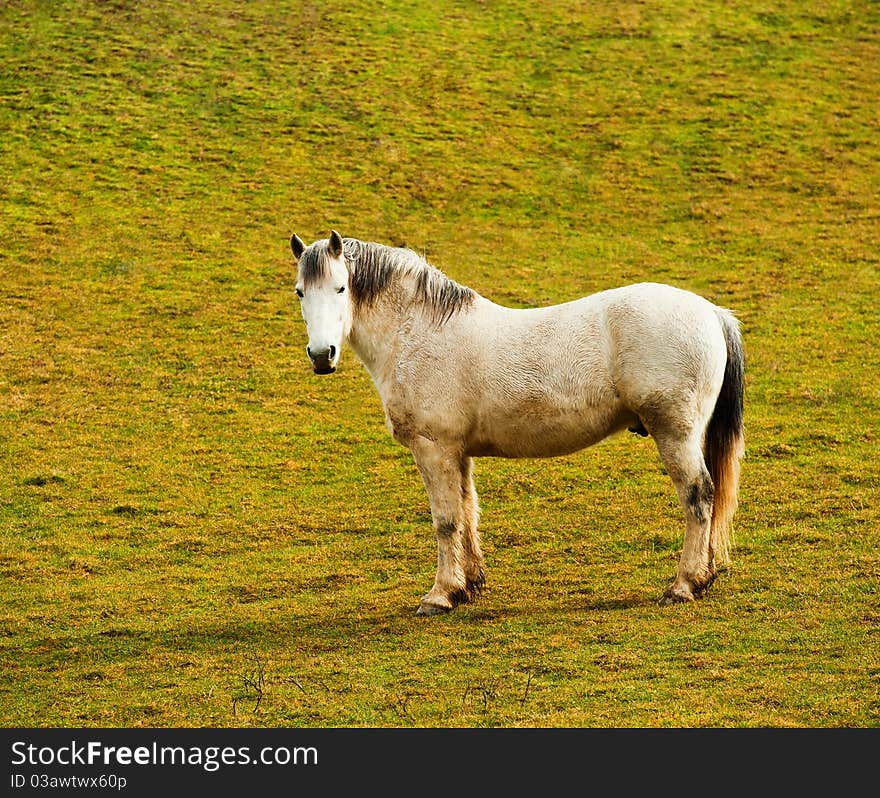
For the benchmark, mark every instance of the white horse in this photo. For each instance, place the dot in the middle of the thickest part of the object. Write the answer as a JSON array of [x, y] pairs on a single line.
[[461, 377]]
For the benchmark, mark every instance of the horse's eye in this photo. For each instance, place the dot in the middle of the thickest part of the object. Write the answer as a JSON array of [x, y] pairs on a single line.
[[299, 293], [340, 290]]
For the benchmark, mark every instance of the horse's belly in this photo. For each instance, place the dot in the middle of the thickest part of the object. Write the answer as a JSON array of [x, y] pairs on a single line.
[[527, 436]]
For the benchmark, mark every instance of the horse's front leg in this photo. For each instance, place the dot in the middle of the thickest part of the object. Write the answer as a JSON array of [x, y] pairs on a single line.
[[441, 470], [474, 572]]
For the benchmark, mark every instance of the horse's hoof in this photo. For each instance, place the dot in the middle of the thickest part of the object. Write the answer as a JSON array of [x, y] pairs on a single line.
[[431, 609], [702, 589], [676, 595], [474, 586]]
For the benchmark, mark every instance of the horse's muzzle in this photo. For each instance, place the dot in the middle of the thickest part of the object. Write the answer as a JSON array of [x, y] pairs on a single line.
[[322, 362]]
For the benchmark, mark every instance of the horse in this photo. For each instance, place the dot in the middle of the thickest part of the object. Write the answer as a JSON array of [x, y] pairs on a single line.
[[461, 377]]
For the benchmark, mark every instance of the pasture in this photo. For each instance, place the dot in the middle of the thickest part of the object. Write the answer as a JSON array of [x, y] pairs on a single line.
[[195, 530]]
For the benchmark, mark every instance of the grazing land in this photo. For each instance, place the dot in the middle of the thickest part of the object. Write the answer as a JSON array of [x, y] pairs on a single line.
[[197, 531]]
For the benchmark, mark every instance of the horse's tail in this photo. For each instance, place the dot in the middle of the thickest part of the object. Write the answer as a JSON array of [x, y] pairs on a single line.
[[725, 441]]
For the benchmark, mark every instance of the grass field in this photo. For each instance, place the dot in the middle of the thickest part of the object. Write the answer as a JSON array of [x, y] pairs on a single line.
[[197, 531]]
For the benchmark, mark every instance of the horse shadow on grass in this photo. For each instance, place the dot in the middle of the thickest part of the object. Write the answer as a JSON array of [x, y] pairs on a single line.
[[314, 632], [484, 610]]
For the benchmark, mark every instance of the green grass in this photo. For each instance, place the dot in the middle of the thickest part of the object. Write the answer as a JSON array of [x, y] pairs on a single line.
[[196, 531]]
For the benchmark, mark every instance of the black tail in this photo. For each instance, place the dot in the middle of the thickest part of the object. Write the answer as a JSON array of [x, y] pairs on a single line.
[[725, 441]]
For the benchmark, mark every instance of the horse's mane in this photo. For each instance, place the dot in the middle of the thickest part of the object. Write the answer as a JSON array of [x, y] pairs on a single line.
[[373, 268]]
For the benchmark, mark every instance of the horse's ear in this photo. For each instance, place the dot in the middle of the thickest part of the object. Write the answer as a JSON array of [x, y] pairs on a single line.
[[335, 244], [297, 246]]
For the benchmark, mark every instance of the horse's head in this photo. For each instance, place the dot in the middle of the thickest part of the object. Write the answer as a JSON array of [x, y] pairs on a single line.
[[323, 291]]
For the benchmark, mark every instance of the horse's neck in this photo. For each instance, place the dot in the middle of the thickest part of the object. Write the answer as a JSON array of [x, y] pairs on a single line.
[[373, 338]]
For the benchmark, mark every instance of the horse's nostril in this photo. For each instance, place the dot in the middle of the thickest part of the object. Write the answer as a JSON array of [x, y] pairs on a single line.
[[309, 351], [332, 352]]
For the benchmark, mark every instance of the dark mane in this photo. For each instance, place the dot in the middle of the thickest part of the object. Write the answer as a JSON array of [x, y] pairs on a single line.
[[313, 265], [373, 268]]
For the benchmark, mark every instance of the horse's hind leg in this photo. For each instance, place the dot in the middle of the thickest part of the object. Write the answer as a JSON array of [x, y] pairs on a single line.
[[684, 461], [474, 574], [441, 470]]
